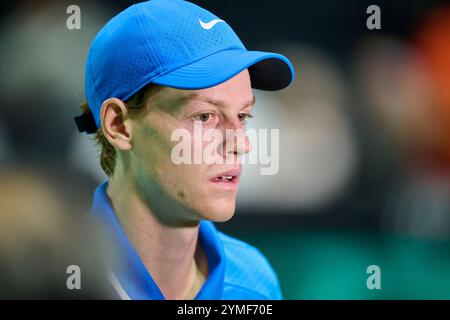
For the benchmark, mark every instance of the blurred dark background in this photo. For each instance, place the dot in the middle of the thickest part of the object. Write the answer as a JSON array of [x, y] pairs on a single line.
[[364, 135]]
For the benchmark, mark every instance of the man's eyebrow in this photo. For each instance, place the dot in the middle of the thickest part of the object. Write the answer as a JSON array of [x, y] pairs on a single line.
[[219, 103]]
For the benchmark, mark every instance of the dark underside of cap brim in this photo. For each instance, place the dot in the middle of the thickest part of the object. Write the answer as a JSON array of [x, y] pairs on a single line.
[[264, 72], [268, 71]]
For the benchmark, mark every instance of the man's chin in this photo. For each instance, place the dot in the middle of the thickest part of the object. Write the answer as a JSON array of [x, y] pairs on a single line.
[[218, 215]]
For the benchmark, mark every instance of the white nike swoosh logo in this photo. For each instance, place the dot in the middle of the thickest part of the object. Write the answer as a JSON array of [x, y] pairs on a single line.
[[209, 25]]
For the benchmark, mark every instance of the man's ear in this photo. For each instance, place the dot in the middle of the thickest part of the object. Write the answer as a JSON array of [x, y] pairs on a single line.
[[115, 128]]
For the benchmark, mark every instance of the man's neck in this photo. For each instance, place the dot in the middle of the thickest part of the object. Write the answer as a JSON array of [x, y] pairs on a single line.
[[172, 255]]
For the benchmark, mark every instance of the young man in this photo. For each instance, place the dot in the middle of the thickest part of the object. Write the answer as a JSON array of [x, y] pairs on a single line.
[[157, 67]]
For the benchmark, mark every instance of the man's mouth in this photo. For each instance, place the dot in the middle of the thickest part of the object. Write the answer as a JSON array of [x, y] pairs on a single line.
[[227, 179]]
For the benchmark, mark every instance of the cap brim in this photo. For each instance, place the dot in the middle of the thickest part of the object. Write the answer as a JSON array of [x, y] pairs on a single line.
[[268, 71]]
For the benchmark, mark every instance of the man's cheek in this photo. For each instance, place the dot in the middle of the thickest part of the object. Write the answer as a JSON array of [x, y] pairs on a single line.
[[157, 135], [212, 141]]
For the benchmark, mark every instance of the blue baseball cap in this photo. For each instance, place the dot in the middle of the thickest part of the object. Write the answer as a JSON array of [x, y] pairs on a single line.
[[171, 43]]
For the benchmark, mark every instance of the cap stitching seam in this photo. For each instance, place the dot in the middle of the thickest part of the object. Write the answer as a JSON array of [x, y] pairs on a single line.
[[172, 70], [139, 12]]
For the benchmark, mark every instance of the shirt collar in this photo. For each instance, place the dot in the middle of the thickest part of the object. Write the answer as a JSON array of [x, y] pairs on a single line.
[[132, 275]]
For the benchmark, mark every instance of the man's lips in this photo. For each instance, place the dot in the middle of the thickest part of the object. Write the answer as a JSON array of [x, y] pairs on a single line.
[[227, 179]]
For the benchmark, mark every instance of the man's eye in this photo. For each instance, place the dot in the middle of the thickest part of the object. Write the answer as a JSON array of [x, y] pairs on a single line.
[[204, 117], [244, 116]]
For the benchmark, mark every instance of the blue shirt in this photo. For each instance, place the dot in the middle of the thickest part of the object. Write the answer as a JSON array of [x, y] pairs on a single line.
[[236, 270]]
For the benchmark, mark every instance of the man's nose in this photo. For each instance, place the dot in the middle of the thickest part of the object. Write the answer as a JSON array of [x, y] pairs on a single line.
[[235, 142]]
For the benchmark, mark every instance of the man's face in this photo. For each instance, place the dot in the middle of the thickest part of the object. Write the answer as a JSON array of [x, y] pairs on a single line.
[[198, 187]]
